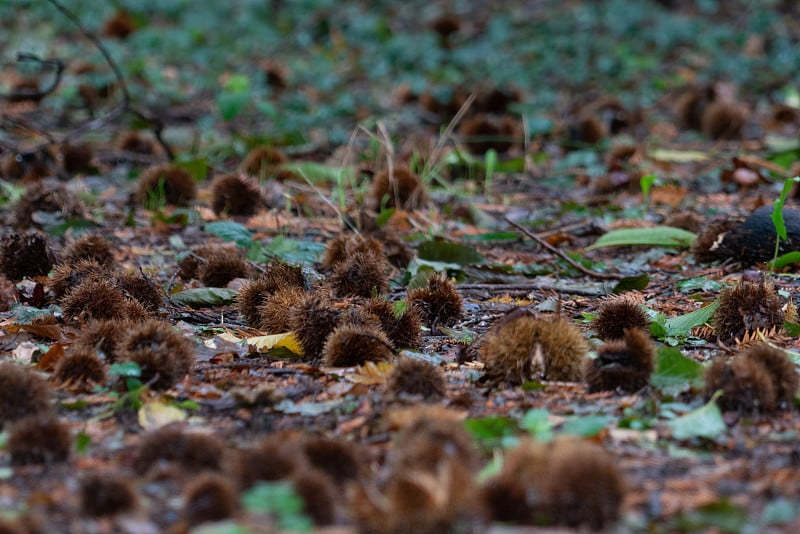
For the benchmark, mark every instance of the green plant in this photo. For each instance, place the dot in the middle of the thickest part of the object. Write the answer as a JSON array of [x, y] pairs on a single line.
[[279, 500], [777, 214]]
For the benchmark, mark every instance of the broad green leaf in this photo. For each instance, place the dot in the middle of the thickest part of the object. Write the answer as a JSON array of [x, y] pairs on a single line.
[[319, 173], [493, 430], [777, 207], [221, 527], [700, 283], [721, 516], [537, 423], [197, 167], [287, 340], [82, 442], [681, 325], [294, 250], [678, 156], [676, 371], [234, 96], [280, 500], [785, 259], [587, 427], [448, 252], [632, 283], [125, 369], [230, 231], [704, 422], [646, 182], [492, 236], [658, 236], [205, 296]]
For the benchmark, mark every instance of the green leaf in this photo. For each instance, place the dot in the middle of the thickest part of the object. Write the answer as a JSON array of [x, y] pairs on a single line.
[[294, 250], [537, 423], [678, 156], [448, 252], [280, 500], [587, 427], [785, 259], [315, 408], [681, 325], [777, 208], [660, 236], [632, 283], [234, 96], [792, 329], [700, 283], [220, 527], [721, 515], [230, 231], [205, 296], [197, 167], [82, 442], [493, 430], [125, 369], [646, 182], [319, 173], [676, 371], [492, 237], [704, 422], [779, 511]]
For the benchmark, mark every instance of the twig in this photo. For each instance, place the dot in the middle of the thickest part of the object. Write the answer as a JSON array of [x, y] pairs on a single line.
[[562, 255], [36, 94]]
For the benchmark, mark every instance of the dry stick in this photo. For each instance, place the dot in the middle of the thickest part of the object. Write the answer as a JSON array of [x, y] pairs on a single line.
[[125, 105], [562, 255]]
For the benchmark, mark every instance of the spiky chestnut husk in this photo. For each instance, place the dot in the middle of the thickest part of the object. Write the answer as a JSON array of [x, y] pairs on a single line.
[[349, 345], [235, 194], [193, 451], [69, 275], [90, 247], [136, 286], [341, 460], [312, 320], [362, 275], [222, 265], [76, 159], [428, 441], [80, 366], [318, 493], [724, 120], [588, 129], [483, 132], [692, 104], [8, 294], [102, 337], [522, 347], [275, 74], [404, 331], [446, 24], [133, 141], [274, 314], [105, 494], [120, 25], [785, 378], [39, 440], [566, 482], [48, 196], [438, 301], [623, 364], [263, 161], [254, 293], [399, 188], [209, 497], [23, 393], [24, 255], [615, 316], [344, 246], [272, 459], [99, 298], [498, 99], [746, 385], [163, 355], [175, 183], [416, 377], [745, 308]]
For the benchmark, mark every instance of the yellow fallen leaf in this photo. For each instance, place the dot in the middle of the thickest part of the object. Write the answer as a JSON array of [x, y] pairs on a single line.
[[371, 373], [287, 340], [227, 336], [157, 414], [678, 156]]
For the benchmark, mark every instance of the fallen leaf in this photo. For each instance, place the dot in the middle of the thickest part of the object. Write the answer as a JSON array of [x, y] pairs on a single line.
[[24, 351], [371, 373], [157, 414], [287, 340]]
